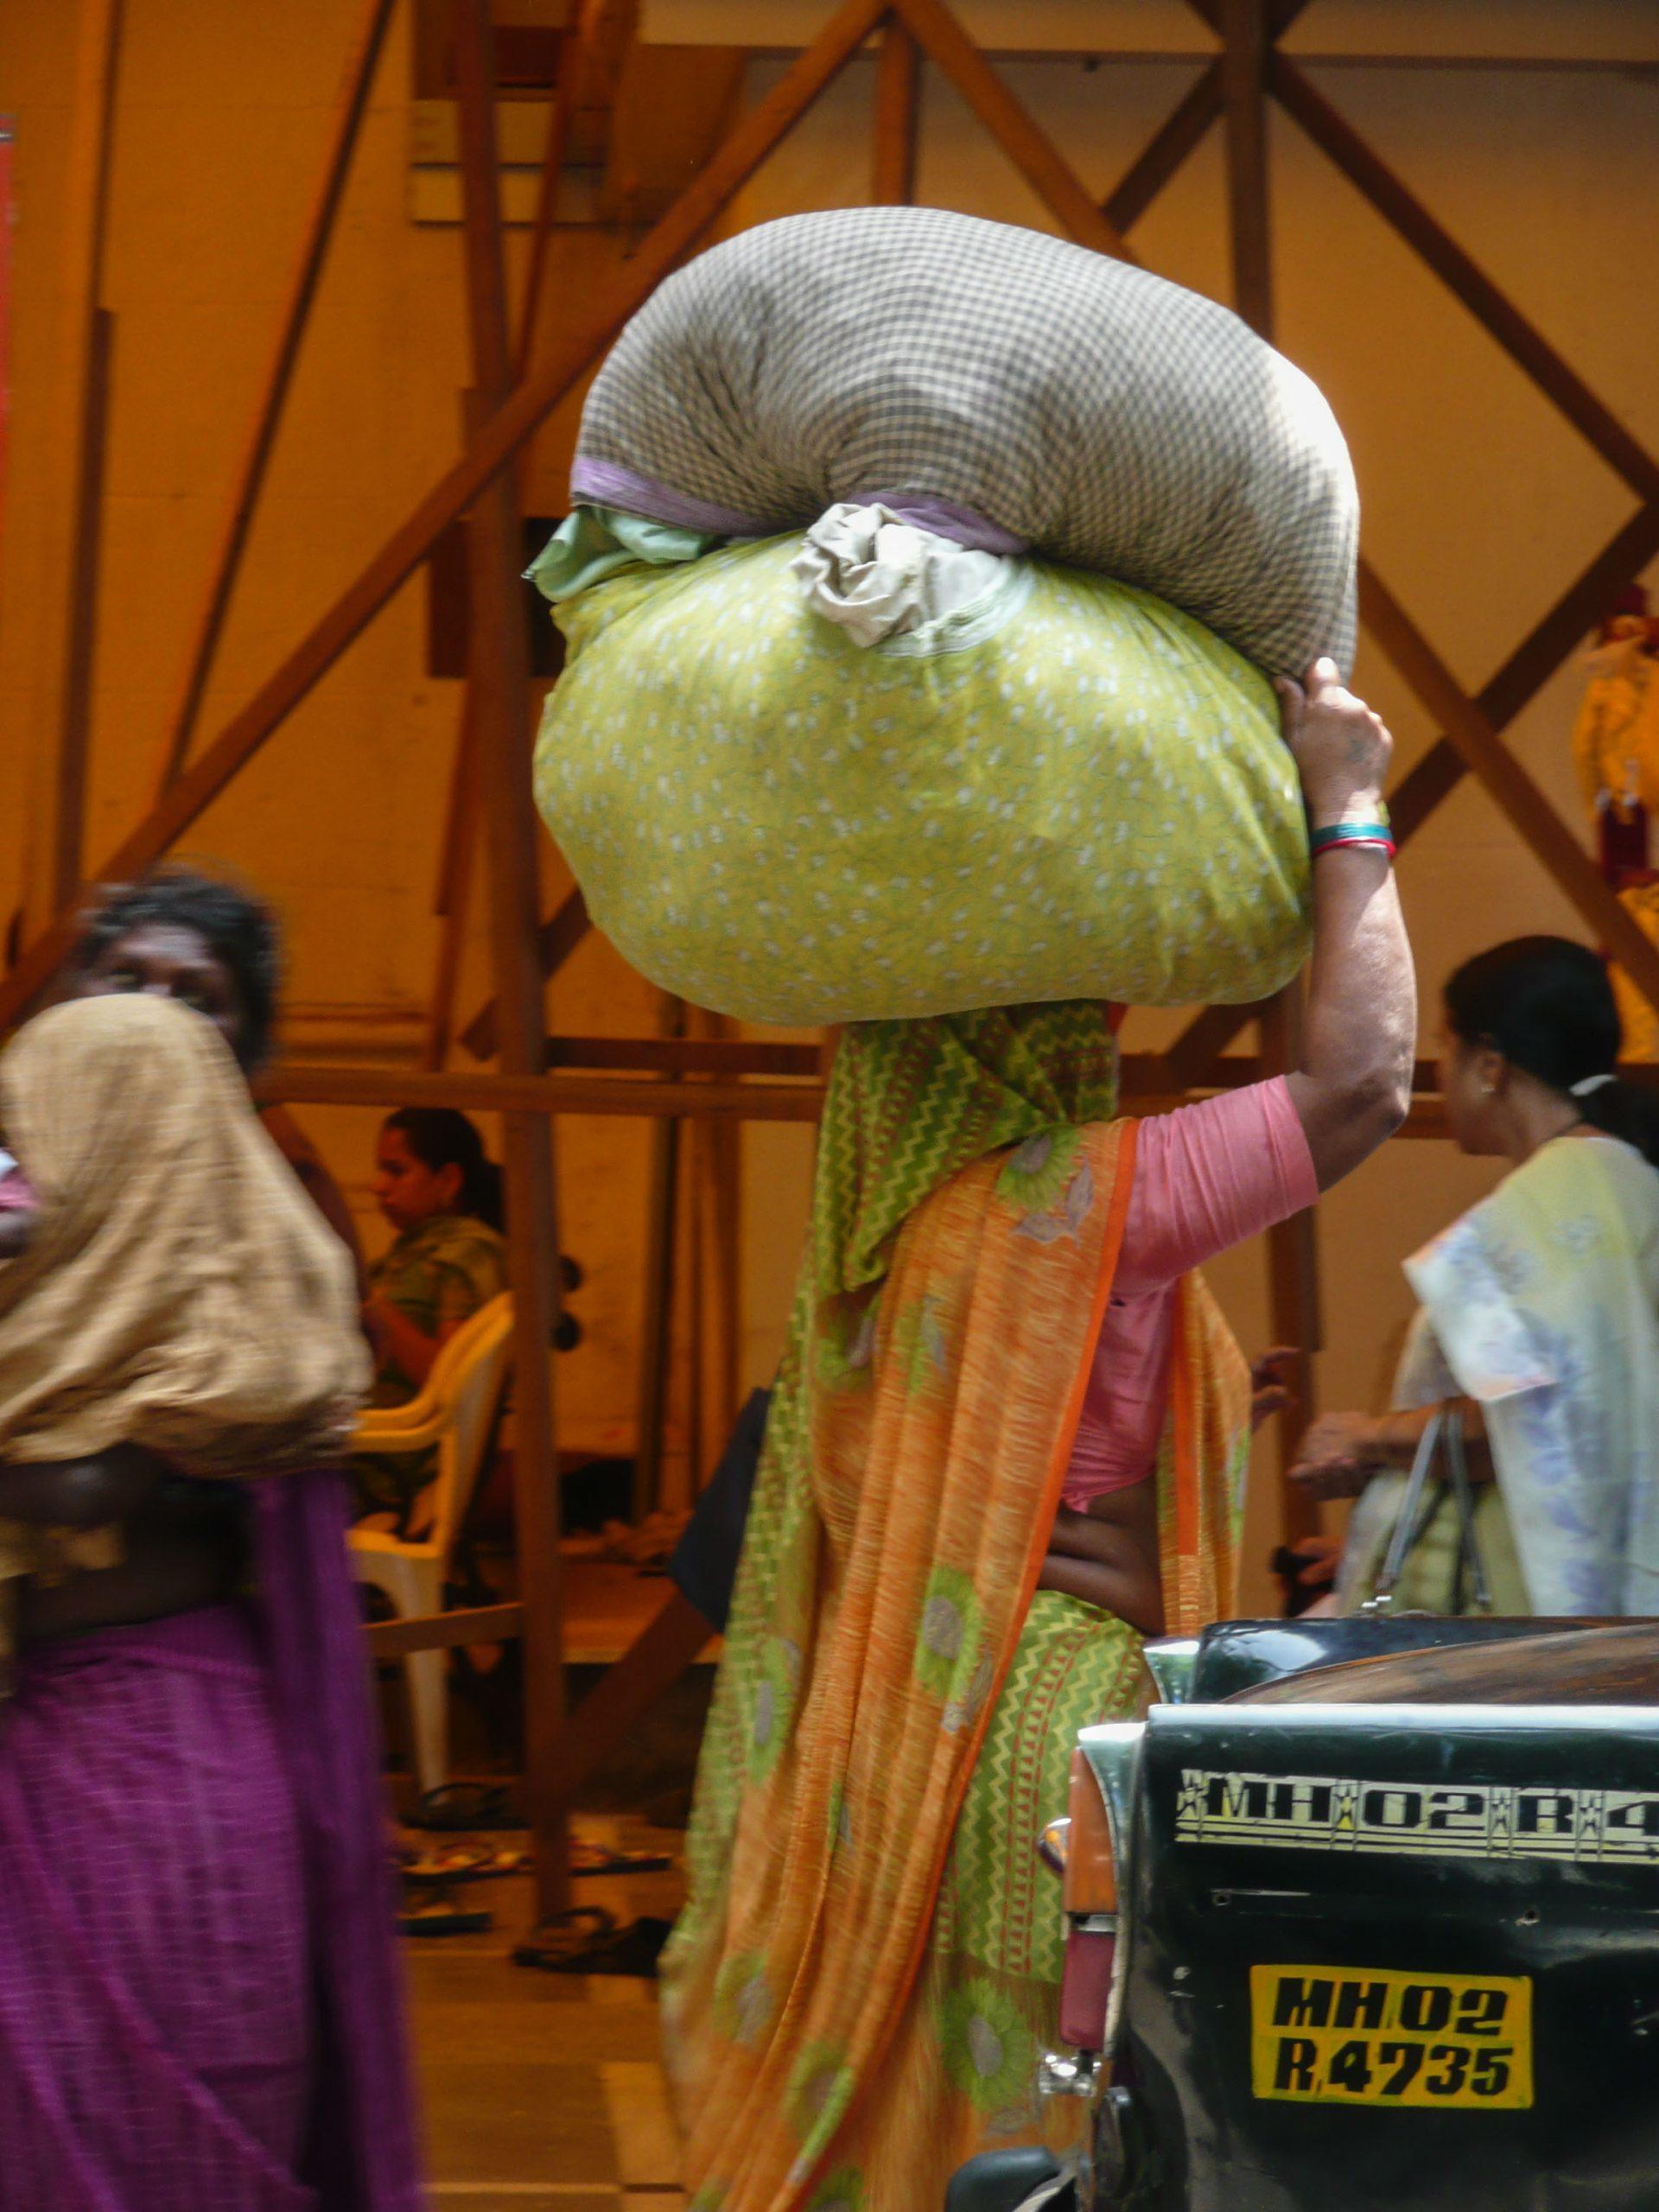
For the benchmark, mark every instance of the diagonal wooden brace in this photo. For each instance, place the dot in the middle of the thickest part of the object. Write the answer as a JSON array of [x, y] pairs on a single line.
[[1485, 754]]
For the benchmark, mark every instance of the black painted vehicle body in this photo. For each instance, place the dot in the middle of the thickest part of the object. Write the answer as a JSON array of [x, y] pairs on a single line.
[[1370, 1956]]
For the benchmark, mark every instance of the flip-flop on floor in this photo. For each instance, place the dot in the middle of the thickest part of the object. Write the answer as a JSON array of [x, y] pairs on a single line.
[[601, 1858], [442, 1916], [464, 1862]]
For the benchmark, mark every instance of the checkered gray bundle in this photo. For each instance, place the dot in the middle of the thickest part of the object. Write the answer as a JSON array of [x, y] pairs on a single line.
[[1003, 386]]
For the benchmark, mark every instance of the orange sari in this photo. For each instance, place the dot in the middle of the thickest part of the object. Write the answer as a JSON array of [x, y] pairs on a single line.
[[856, 1994]]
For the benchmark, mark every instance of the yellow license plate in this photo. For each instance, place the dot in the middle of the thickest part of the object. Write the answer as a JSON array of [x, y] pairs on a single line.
[[1340, 2035]]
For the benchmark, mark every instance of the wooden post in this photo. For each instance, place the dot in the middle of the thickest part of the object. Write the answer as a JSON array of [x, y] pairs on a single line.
[[1295, 1310], [1293, 1245], [460, 831], [53, 855], [1243, 74], [723, 1141], [656, 1333], [81, 639], [454, 884], [547, 196], [498, 675], [363, 54], [898, 102], [558, 937]]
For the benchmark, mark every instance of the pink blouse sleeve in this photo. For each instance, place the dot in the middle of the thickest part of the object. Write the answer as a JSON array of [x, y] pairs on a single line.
[[1209, 1176]]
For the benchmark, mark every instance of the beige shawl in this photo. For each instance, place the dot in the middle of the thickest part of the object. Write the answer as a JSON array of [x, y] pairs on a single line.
[[179, 1292]]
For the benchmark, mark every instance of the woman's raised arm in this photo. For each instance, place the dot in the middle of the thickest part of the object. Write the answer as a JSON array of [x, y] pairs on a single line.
[[1352, 1085]]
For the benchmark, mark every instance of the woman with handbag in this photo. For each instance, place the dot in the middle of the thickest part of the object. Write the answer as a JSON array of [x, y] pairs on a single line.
[[1532, 1364]]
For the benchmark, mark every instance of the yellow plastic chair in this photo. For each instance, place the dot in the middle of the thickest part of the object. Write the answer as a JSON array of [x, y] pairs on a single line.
[[456, 1412]]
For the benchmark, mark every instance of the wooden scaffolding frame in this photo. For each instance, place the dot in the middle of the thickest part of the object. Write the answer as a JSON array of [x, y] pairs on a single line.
[[705, 1079]]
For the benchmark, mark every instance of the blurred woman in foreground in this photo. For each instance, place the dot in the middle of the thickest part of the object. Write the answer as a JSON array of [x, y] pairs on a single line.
[[200, 2001]]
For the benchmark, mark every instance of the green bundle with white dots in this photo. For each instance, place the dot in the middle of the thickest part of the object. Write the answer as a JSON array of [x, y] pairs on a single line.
[[1078, 793]]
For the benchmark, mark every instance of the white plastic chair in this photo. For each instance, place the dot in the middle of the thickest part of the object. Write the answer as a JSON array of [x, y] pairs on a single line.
[[456, 1412]]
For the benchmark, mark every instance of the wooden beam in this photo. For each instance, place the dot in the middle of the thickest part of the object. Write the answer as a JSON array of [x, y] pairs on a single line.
[[53, 851], [1541, 828], [672, 1641], [898, 104], [727, 1056], [1164, 154], [444, 1632], [302, 1084], [499, 679], [559, 936], [362, 57], [1497, 313], [508, 428], [1050, 175], [305, 1084]]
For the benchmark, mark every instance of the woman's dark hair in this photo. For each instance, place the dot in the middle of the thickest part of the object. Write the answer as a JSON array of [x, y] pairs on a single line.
[[1547, 1006], [441, 1136], [238, 929]]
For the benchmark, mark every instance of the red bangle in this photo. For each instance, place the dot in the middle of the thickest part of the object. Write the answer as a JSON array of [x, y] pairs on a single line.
[[1375, 835]]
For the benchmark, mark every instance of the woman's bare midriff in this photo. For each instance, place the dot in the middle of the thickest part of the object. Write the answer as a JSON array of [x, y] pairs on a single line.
[[1120, 1573]]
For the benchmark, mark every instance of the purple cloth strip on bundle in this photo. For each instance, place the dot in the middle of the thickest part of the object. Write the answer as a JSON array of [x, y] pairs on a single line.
[[603, 484], [976, 532], [200, 2003]]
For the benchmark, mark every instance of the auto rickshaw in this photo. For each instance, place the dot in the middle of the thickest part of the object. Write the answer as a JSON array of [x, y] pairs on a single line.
[[1365, 1915]]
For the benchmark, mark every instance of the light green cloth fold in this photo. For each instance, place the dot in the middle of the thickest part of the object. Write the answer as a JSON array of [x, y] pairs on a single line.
[[593, 544]]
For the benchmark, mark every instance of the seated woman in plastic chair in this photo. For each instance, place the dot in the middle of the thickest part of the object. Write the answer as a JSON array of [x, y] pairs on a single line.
[[441, 1194]]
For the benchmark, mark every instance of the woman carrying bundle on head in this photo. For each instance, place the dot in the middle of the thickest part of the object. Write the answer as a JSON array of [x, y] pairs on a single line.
[[1535, 1344], [999, 1311]]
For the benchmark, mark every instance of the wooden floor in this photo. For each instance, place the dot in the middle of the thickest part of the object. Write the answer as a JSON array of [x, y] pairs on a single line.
[[543, 2093]]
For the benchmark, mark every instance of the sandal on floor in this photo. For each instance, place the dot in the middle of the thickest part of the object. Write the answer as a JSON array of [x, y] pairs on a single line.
[[564, 1943], [458, 1806], [557, 1946]]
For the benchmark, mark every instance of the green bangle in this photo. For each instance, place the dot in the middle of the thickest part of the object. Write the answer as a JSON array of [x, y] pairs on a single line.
[[1376, 834]]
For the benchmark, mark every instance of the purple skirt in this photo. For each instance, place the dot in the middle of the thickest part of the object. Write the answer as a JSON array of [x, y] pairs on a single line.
[[199, 2005]]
